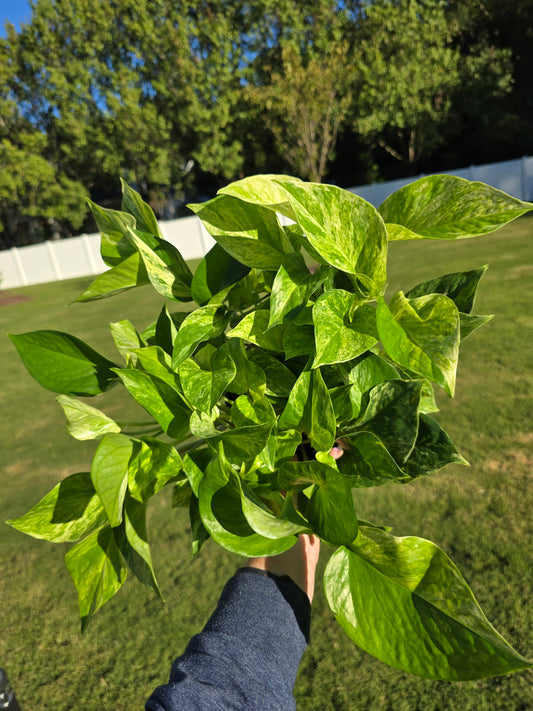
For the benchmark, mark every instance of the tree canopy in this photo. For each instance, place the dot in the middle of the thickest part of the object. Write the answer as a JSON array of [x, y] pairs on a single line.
[[180, 99]]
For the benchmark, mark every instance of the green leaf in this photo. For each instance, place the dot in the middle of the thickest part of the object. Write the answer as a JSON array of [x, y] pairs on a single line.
[[243, 443], [133, 204], [369, 370], [428, 404], [216, 272], [298, 340], [132, 542], [422, 335], [98, 571], [159, 399], [166, 328], [197, 385], [200, 325], [113, 226], [309, 409], [264, 190], [249, 376], [127, 339], [460, 287], [292, 287], [392, 415], [109, 473], [155, 465], [123, 276], [447, 207], [246, 410], [181, 494], [470, 323], [250, 290], [345, 230], [279, 379], [202, 424], [342, 228], [368, 460], [157, 362], [199, 533], [345, 406], [254, 328], [404, 601], [287, 442], [194, 465], [249, 233], [84, 421], [433, 450], [70, 511], [63, 363], [343, 330], [220, 506], [203, 388], [364, 373], [330, 509], [263, 521], [168, 272]]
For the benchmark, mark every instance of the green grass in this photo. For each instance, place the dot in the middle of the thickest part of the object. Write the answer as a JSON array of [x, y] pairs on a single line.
[[480, 515]]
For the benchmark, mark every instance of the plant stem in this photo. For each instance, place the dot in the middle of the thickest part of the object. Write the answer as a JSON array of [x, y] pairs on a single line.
[[126, 423]]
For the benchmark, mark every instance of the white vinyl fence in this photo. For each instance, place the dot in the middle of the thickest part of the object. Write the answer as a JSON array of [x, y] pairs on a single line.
[[80, 256]]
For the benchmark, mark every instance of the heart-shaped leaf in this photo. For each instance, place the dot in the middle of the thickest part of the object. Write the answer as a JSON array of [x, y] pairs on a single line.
[[404, 601], [98, 571], [84, 421], [343, 330], [447, 207], [67, 513], [63, 363], [422, 335]]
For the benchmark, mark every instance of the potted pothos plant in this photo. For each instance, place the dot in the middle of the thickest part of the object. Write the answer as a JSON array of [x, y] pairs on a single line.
[[289, 348]]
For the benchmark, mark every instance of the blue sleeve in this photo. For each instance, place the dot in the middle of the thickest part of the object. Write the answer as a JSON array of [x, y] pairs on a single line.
[[247, 655]]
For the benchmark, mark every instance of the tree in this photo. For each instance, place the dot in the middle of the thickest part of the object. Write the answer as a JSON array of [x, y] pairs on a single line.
[[137, 88], [304, 106], [301, 86], [408, 72], [501, 127], [35, 198]]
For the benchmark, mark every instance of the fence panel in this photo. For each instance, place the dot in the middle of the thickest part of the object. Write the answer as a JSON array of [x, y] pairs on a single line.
[[80, 256]]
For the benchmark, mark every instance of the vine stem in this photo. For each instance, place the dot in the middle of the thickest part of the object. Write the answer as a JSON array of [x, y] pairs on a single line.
[[126, 423], [149, 432], [244, 313], [188, 447]]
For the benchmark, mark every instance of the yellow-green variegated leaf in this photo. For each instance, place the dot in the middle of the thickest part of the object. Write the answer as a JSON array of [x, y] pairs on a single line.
[[422, 335], [404, 601], [84, 421], [447, 207]]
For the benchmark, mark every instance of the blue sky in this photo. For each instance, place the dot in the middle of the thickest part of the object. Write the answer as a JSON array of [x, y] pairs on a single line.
[[16, 11]]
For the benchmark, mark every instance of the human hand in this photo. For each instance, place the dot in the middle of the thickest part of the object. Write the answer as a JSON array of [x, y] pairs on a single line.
[[299, 563]]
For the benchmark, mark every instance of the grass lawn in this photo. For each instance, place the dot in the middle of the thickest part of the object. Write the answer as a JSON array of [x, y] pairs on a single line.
[[480, 515]]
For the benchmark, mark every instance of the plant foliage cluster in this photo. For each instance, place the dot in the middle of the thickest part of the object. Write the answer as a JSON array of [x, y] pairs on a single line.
[[182, 98], [248, 393]]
